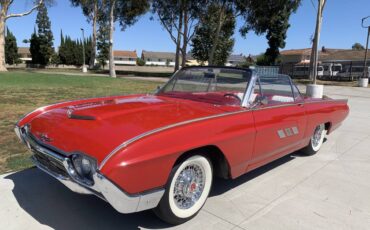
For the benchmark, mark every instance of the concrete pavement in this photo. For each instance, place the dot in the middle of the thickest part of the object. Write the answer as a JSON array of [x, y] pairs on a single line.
[[330, 190]]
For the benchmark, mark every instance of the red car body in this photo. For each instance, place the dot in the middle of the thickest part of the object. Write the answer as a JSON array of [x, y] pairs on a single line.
[[137, 139]]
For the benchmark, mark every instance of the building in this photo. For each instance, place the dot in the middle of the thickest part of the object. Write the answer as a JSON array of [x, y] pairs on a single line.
[[345, 58], [158, 58], [123, 57], [342, 56], [235, 60], [24, 54]]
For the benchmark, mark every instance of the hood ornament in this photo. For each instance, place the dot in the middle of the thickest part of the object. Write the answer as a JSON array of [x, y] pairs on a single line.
[[69, 113]]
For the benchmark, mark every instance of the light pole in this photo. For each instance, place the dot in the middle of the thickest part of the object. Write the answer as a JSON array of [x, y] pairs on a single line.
[[367, 46], [84, 69]]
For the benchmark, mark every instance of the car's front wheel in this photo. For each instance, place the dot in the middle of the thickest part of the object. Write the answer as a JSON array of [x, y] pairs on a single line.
[[316, 141], [187, 191]]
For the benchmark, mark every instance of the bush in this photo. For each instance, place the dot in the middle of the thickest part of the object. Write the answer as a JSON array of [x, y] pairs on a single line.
[[140, 62]]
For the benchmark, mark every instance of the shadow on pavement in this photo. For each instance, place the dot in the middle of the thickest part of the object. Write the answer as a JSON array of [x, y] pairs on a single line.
[[224, 185], [54, 205]]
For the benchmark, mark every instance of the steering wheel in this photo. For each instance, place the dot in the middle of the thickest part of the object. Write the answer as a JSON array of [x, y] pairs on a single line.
[[232, 95]]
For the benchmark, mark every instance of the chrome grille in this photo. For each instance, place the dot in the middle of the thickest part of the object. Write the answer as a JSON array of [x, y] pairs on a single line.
[[50, 163], [44, 157]]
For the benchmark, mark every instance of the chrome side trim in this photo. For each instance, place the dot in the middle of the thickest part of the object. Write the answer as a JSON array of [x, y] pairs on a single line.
[[327, 101], [132, 140]]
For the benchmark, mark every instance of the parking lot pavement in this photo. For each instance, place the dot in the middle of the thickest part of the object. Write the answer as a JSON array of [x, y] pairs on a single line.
[[329, 190]]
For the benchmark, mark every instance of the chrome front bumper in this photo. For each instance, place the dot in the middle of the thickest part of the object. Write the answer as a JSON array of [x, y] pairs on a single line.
[[58, 166]]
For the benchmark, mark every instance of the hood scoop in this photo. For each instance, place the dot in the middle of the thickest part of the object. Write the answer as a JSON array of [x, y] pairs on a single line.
[[72, 115]]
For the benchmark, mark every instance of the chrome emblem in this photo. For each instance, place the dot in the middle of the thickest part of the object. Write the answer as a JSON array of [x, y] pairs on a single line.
[[45, 138], [283, 133], [69, 113]]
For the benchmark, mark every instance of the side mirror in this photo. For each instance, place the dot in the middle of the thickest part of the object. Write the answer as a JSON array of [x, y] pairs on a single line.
[[158, 89], [262, 100]]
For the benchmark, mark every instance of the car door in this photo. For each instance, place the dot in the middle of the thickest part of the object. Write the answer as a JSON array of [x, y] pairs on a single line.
[[280, 120]]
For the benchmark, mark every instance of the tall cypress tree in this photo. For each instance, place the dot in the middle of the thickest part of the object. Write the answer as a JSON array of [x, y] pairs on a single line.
[[11, 48], [45, 35], [35, 47]]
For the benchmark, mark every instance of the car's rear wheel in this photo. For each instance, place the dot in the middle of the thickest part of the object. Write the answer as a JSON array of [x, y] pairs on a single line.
[[187, 191], [316, 141]]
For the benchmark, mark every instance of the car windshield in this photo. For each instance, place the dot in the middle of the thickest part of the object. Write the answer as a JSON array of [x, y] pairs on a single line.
[[223, 86]]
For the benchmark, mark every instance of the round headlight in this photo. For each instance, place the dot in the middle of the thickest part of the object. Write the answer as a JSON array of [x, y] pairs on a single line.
[[84, 166]]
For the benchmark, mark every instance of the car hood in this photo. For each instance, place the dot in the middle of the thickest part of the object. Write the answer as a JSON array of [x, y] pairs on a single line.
[[96, 128]]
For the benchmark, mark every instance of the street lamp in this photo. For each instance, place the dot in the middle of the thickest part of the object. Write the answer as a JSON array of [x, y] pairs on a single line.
[[84, 69], [367, 45]]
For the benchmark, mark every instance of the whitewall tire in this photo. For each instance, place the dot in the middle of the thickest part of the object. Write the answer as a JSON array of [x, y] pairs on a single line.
[[316, 141], [187, 191]]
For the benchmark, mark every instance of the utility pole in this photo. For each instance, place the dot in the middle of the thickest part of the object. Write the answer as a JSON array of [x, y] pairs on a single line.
[[315, 49], [84, 69], [366, 72]]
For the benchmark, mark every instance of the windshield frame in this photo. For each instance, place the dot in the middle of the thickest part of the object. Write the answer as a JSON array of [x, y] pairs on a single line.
[[247, 90]]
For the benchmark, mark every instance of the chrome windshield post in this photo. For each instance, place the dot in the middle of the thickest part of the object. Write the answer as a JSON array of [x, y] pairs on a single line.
[[249, 90]]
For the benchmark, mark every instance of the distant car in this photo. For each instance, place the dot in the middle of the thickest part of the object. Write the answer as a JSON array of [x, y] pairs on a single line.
[[304, 71], [352, 73], [331, 70], [162, 151]]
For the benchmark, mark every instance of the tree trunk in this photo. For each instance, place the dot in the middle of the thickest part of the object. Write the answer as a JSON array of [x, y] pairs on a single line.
[[178, 44], [2, 40], [93, 42], [185, 39], [217, 35], [112, 70], [5, 4]]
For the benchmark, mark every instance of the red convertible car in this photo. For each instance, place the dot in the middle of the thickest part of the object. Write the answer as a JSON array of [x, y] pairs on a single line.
[[162, 151]]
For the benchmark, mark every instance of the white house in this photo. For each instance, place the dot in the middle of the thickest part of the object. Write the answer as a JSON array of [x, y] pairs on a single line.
[[158, 58], [123, 57]]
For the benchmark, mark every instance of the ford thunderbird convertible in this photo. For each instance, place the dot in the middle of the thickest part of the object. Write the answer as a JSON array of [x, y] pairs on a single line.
[[161, 151]]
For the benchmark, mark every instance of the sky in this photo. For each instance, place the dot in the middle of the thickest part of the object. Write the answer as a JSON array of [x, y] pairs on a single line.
[[341, 27]]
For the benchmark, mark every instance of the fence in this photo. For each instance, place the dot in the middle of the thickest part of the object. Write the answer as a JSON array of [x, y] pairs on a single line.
[[267, 70]]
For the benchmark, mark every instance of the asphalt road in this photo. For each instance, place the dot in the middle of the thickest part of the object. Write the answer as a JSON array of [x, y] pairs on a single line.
[[330, 190]]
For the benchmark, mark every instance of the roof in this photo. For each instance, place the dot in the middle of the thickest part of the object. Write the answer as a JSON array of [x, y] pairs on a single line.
[[24, 50], [159, 55], [344, 55], [307, 51], [328, 54], [125, 53]]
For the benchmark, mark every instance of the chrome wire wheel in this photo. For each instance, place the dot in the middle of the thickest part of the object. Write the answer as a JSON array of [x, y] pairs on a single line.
[[318, 137], [189, 186]]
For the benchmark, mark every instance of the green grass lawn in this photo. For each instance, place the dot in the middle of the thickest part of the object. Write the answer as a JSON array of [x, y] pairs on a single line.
[[22, 92]]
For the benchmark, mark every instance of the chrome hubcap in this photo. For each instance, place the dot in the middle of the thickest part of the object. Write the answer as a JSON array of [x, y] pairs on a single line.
[[189, 186], [316, 138]]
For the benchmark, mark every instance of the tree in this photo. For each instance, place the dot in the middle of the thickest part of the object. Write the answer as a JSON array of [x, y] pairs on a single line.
[[179, 18], [213, 40], [126, 12], [11, 49], [70, 51], [103, 43], [4, 16], [35, 48], [358, 46], [270, 18], [90, 8], [45, 35]]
